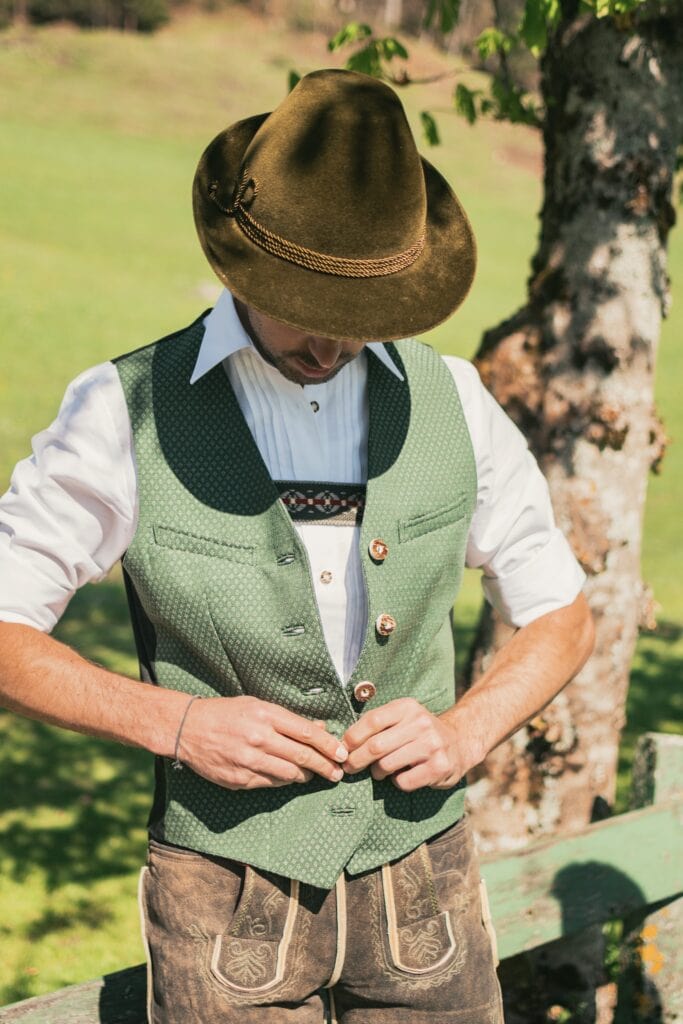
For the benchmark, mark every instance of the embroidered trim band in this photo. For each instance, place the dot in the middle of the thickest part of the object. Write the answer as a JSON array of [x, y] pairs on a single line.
[[336, 504], [322, 262]]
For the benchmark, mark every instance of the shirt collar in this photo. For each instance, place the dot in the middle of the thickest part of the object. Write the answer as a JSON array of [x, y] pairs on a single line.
[[224, 335]]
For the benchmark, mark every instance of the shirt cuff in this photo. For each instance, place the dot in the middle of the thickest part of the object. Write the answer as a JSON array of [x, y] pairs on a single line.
[[551, 580]]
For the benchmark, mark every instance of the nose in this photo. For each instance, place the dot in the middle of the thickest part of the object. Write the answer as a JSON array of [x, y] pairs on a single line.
[[325, 351]]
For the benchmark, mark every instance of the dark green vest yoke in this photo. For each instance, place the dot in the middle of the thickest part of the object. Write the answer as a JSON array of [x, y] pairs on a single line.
[[223, 603]]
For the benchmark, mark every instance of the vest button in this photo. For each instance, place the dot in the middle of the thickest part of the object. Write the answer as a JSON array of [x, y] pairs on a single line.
[[385, 624], [364, 691], [378, 549]]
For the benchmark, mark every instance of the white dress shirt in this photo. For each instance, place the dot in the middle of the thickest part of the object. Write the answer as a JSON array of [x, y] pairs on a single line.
[[71, 510]]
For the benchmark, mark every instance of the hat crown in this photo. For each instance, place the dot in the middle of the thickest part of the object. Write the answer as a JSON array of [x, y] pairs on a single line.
[[323, 216], [336, 170]]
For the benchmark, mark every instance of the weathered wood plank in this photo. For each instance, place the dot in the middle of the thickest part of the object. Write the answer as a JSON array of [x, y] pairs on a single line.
[[559, 886], [651, 976], [114, 999], [657, 769]]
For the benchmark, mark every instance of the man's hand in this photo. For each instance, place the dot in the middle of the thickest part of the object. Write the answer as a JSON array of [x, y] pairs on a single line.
[[404, 740], [416, 748], [245, 743]]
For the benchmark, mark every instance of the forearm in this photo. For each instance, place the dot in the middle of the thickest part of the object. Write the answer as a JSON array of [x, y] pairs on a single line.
[[237, 742], [524, 676], [43, 679]]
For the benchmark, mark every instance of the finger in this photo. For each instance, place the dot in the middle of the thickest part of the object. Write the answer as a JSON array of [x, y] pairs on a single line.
[[406, 757], [426, 774], [379, 745], [281, 770], [305, 731], [379, 719], [243, 778], [305, 757], [412, 778], [256, 781]]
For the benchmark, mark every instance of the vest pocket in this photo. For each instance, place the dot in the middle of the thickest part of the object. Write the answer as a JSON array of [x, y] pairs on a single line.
[[417, 526], [250, 957], [199, 544]]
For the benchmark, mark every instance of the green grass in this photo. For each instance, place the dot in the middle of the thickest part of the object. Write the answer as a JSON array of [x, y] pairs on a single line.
[[101, 133]]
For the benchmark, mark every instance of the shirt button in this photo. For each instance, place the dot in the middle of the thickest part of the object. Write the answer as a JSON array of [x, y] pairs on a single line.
[[378, 549], [326, 576], [385, 624], [315, 406], [364, 691]]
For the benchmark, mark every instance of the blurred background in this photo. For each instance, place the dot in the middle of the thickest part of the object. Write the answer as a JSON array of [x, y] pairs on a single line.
[[105, 107]]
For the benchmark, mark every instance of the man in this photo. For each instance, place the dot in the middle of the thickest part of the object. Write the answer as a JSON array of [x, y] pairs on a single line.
[[294, 502]]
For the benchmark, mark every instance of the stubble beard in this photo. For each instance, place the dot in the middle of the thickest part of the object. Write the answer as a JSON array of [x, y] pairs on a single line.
[[283, 363]]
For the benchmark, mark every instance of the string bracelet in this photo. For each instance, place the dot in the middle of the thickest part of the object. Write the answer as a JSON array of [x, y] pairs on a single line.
[[177, 763]]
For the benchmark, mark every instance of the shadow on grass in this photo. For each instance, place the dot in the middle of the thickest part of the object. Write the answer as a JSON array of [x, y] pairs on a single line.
[[83, 912], [655, 700], [97, 625], [71, 805]]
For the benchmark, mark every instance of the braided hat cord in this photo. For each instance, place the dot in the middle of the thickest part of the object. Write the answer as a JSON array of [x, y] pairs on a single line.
[[322, 262]]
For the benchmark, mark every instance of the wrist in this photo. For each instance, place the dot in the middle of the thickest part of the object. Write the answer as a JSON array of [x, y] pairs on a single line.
[[177, 763], [169, 712], [464, 724]]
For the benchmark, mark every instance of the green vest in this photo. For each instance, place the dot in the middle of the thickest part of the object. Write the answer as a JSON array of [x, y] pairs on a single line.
[[223, 604]]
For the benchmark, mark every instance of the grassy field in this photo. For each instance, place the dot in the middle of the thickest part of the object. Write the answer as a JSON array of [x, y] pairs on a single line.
[[100, 137]]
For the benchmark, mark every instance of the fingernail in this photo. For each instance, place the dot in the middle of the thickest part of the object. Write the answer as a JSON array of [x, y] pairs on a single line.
[[337, 774], [342, 753]]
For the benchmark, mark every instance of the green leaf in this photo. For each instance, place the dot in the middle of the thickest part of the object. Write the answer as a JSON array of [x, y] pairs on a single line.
[[429, 14], [492, 41], [391, 47], [532, 27], [429, 129], [293, 78], [510, 105], [367, 60], [538, 18], [465, 102], [607, 8], [447, 11], [353, 32]]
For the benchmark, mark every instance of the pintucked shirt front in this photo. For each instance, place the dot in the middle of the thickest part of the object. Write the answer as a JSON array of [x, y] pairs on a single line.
[[71, 510]]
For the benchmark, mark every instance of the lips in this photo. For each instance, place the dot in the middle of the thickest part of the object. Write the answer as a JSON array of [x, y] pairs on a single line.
[[314, 372]]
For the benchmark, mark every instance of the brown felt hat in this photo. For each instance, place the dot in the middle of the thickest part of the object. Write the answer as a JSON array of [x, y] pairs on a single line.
[[323, 215]]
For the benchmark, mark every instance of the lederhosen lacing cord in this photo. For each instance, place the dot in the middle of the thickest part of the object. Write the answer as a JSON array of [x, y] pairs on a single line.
[[322, 262]]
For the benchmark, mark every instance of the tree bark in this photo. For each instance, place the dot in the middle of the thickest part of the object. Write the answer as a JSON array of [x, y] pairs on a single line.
[[393, 13], [575, 369]]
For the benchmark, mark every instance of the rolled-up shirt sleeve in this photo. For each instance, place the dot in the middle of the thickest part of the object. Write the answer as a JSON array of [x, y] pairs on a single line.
[[528, 566], [71, 509]]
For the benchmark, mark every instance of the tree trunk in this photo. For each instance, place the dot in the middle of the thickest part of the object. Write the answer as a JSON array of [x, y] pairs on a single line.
[[393, 13], [20, 15], [575, 368]]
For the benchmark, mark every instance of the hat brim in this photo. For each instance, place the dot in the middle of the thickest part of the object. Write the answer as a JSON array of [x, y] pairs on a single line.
[[398, 305]]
